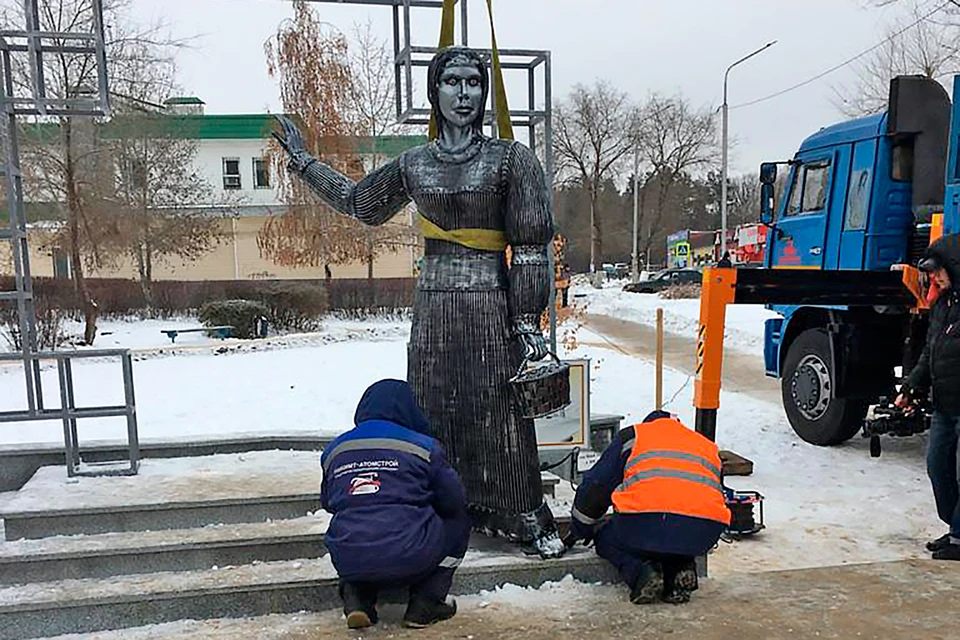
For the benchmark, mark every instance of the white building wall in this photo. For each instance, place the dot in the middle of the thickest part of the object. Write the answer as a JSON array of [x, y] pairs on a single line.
[[209, 160]]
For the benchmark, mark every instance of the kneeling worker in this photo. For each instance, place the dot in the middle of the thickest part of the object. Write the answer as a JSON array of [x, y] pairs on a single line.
[[664, 483], [399, 510]]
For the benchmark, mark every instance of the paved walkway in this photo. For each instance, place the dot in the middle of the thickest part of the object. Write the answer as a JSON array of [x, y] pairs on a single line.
[[909, 600], [742, 372]]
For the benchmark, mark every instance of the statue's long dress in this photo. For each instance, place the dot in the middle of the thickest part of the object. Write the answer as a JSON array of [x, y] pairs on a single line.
[[461, 354]]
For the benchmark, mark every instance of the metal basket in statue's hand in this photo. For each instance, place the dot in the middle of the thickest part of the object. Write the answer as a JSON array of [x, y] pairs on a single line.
[[541, 390]]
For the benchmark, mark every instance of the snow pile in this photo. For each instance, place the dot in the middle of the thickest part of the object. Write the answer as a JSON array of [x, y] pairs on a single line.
[[549, 594]]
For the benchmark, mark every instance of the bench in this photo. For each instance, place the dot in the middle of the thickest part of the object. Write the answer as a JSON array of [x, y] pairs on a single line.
[[221, 332]]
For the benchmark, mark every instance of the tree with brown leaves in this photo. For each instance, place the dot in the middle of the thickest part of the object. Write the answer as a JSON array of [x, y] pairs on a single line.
[[311, 61]]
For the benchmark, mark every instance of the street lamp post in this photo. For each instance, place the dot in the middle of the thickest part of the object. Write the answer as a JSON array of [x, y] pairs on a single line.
[[635, 265], [723, 185]]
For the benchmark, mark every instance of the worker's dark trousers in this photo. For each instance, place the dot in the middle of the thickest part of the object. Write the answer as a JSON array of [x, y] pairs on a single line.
[[631, 562], [942, 468], [434, 584]]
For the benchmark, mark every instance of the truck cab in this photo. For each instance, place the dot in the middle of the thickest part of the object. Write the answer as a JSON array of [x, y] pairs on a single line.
[[862, 195]]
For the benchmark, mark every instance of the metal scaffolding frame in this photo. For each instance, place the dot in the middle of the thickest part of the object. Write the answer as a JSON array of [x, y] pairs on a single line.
[[407, 56], [32, 44]]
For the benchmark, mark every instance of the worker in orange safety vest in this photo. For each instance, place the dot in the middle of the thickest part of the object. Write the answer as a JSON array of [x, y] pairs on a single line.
[[664, 483]]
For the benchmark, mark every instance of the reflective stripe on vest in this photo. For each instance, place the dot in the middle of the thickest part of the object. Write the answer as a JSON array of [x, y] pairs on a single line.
[[670, 473], [675, 455], [391, 444], [672, 469]]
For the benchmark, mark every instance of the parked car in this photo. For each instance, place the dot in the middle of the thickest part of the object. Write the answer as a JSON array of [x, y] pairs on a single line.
[[664, 279]]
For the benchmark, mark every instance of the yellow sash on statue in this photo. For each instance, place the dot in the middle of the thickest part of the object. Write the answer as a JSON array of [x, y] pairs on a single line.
[[480, 239]]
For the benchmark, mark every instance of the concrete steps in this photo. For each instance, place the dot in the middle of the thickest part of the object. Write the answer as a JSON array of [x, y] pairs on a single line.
[[176, 515], [82, 606], [167, 494], [111, 554], [208, 537]]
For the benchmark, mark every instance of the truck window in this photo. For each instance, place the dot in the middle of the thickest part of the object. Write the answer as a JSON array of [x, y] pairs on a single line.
[[901, 160], [796, 187], [780, 189], [815, 186], [858, 197]]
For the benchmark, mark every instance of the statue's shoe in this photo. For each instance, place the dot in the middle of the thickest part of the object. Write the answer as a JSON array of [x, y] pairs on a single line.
[[547, 545]]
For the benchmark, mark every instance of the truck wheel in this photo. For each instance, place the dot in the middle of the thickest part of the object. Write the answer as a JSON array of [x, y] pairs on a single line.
[[806, 388]]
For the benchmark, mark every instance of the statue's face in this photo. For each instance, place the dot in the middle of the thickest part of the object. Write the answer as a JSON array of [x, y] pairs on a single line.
[[460, 95]]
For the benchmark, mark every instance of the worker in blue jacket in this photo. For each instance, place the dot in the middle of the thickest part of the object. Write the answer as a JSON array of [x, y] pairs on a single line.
[[399, 509]]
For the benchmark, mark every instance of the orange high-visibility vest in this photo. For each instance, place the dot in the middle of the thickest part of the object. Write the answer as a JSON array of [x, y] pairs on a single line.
[[672, 469]]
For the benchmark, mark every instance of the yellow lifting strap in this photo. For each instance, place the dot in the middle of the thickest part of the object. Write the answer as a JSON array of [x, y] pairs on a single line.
[[480, 239], [504, 126]]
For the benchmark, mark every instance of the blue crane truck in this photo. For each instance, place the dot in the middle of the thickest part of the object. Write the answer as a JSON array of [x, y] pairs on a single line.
[[849, 217]]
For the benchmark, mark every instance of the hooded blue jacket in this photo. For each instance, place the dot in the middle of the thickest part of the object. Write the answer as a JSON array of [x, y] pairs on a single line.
[[388, 485]]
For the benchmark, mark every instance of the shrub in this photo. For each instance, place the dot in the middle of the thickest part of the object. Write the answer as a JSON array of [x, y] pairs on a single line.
[[50, 331], [366, 298], [242, 315], [122, 297], [294, 306]]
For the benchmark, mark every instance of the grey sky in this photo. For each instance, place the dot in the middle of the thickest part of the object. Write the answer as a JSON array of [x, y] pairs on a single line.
[[638, 45]]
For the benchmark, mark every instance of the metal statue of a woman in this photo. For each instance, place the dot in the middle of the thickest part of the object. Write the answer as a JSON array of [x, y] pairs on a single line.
[[475, 318]]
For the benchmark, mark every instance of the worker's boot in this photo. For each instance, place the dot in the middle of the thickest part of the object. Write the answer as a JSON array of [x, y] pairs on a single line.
[[949, 552], [423, 612], [680, 583], [940, 543], [359, 605], [649, 585]]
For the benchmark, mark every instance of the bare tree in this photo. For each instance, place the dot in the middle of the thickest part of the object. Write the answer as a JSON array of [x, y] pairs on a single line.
[[744, 205], [931, 48], [162, 206], [373, 93], [592, 140], [69, 169], [309, 58], [675, 140]]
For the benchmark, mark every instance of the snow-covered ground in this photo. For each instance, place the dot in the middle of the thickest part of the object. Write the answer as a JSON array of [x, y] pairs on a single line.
[[824, 506], [301, 382], [744, 325]]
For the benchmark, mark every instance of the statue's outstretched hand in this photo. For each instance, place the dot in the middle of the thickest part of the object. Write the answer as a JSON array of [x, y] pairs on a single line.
[[291, 140]]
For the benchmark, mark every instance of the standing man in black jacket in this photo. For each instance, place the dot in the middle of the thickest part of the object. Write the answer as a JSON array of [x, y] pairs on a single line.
[[939, 368]]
